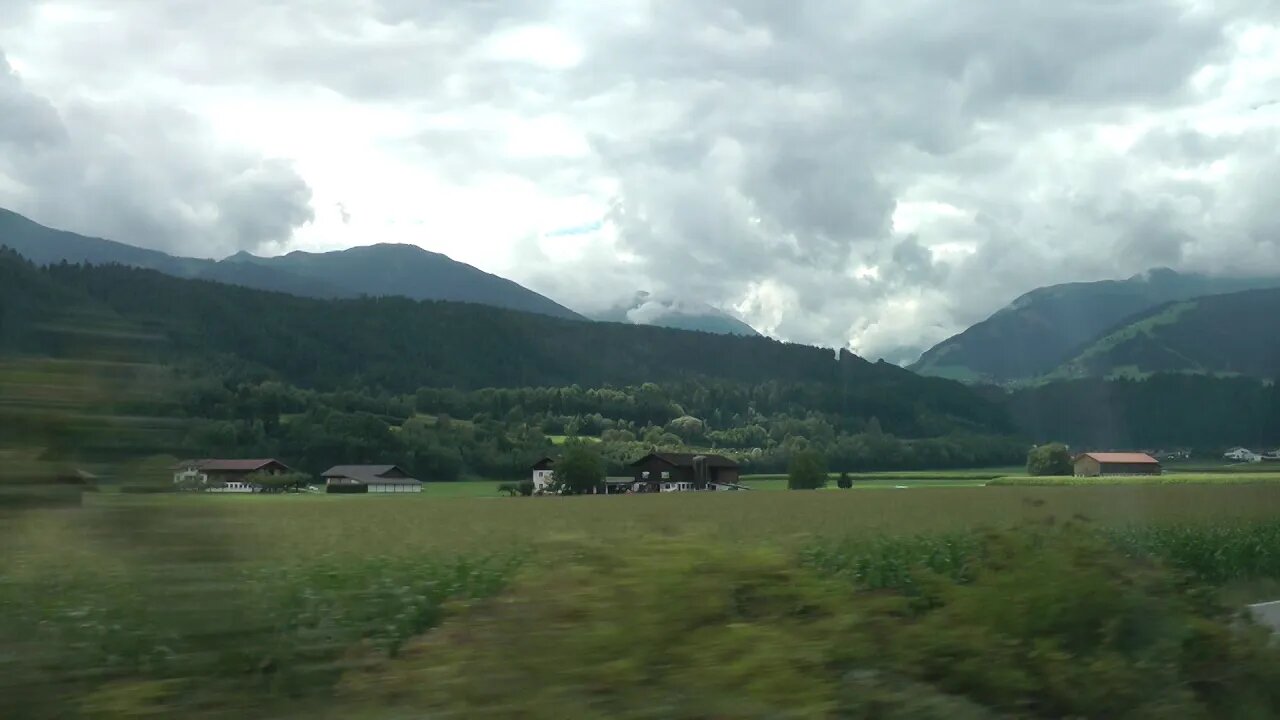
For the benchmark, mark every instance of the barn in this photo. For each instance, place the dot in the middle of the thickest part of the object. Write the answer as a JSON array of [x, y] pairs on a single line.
[[223, 475], [674, 472], [1102, 464], [369, 479]]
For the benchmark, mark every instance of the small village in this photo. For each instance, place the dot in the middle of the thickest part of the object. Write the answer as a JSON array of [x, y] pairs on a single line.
[[656, 472]]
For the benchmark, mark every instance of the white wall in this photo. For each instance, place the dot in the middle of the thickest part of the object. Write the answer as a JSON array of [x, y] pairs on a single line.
[[389, 488]]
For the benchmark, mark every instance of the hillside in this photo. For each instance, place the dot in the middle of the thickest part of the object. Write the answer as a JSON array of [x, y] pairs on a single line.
[[396, 345], [1046, 327], [646, 309], [378, 270], [406, 271], [1230, 334]]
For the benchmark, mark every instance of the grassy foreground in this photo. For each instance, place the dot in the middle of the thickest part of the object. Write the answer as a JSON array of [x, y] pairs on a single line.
[[818, 604], [1185, 478]]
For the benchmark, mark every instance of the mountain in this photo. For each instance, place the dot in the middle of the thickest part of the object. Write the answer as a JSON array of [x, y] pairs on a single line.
[[395, 345], [1045, 327], [1231, 334], [645, 309], [406, 271], [377, 270]]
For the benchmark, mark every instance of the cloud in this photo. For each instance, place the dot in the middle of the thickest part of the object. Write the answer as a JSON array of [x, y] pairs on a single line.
[[143, 174], [858, 174]]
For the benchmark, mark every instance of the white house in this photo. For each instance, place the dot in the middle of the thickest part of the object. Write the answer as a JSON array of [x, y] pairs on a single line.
[[543, 470]]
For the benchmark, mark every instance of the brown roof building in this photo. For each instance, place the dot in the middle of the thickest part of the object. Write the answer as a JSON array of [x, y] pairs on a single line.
[[233, 473], [1099, 464]]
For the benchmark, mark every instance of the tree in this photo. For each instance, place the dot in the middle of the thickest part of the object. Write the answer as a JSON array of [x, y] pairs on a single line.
[[280, 482], [845, 482], [579, 471], [524, 488], [808, 471], [1051, 459]]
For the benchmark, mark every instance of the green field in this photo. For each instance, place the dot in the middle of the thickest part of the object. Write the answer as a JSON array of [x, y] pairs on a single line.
[[324, 605], [1184, 478]]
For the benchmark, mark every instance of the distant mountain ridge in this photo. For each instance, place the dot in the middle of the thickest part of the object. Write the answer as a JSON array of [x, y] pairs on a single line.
[[1230, 334], [1046, 327], [399, 345], [376, 270], [647, 309]]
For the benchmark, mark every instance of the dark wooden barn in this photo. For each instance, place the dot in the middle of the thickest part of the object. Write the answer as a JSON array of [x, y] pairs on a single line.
[[666, 472]]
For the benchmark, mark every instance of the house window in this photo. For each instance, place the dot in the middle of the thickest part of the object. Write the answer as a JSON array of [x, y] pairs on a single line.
[[645, 475], [666, 475]]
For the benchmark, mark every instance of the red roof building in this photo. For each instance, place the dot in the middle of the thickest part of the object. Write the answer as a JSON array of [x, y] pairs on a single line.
[[1100, 464]]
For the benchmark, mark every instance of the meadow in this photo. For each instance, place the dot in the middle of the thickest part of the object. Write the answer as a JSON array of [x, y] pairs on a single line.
[[218, 606]]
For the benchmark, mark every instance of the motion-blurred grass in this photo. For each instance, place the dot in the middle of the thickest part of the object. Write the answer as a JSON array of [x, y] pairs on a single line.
[[225, 606]]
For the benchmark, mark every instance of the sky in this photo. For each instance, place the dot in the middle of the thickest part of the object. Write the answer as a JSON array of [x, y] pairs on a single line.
[[847, 173]]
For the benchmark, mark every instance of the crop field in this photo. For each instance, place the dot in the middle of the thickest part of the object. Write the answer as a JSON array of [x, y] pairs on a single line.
[[337, 525], [218, 606], [1185, 478]]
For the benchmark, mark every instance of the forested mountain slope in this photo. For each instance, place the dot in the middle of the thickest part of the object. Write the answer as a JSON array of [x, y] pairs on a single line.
[[1235, 334], [1042, 329], [395, 345], [406, 271], [377, 270], [1163, 411]]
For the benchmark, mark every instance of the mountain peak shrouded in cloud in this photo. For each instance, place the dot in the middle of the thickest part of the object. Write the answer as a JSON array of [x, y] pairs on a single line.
[[952, 159], [647, 309]]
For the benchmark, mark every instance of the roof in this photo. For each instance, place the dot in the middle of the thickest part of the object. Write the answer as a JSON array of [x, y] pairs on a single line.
[[218, 465], [369, 474], [353, 470], [1122, 458], [389, 481], [686, 459]]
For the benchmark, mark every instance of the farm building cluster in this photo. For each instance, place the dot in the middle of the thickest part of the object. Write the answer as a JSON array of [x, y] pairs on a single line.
[[251, 476], [659, 472], [1245, 455]]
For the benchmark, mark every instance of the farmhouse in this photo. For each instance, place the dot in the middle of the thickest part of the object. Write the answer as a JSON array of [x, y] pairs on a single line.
[[226, 475], [1240, 454], [369, 479], [676, 472], [542, 472], [1103, 464]]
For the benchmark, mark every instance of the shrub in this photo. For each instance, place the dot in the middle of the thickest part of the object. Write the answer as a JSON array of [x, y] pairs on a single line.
[[524, 488], [845, 482], [808, 471], [1041, 624], [1051, 459], [579, 471]]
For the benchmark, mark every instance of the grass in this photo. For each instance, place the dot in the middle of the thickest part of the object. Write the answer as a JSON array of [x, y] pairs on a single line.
[[1187, 478], [261, 605], [561, 439], [413, 525], [893, 479]]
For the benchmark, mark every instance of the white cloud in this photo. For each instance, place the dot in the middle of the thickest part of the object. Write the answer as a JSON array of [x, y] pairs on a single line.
[[847, 173]]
